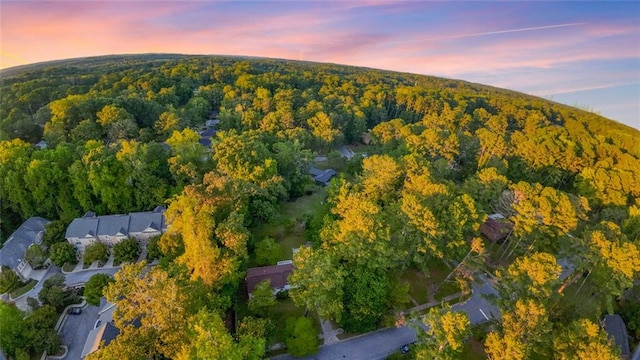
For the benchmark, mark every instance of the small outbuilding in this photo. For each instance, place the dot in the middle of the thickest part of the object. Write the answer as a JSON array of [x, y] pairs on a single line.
[[496, 228], [322, 177]]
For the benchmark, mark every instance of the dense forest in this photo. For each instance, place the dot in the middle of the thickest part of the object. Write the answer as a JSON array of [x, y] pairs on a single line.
[[436, 157]]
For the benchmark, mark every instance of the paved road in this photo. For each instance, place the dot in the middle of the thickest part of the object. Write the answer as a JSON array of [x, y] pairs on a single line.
[[478, 308], [376, 345], [380, 344]]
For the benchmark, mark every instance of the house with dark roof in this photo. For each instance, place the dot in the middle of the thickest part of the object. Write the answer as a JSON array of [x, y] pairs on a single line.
[[206, 136], [111, 229], [103, 332], [322, 177], [615, 327], [496, 228], [278, 274], [13, 251]]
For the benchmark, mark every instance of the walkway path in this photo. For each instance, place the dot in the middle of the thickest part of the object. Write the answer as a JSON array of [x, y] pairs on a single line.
[[328, 333]]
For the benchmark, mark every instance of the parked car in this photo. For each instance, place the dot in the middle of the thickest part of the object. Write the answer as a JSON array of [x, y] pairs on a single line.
[[74, 311], [404, 348]]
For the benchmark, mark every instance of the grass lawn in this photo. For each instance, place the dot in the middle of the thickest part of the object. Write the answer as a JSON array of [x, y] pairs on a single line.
[[418, 285], [421, 287], [285, 309], [582, 303], [473, 350], [21, 290], [287, 228]]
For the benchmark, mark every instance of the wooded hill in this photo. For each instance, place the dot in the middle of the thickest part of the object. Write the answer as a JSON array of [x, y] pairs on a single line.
[[121, 135]]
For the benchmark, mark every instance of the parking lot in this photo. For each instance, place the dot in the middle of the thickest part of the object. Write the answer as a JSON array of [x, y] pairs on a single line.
[[76, 328]]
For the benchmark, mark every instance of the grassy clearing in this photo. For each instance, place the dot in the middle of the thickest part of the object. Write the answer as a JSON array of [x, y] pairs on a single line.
[[418, 285], [582, 304], [288, 228], [285, 309], [22, 290], [423, 289], [473, 350]]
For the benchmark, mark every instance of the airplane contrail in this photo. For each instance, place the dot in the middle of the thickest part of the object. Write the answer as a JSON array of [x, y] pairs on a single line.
[[485, 33]]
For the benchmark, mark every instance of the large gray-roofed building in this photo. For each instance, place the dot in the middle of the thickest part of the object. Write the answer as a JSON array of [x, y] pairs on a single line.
[[142, 221], [12, 253], [111, 229], [113, 225], [83, 227]]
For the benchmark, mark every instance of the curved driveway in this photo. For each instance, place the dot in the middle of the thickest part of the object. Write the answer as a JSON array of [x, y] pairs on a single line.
[[78, 277]]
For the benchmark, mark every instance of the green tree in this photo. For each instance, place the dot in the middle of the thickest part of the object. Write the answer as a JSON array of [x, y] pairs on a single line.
[[126, 250], [53, 292], [9, 280], [12, 329], [365, 297], [93, 288], [96, 251], [302, 337], [61, 253], [36, 256], [317, 283], [153, 248], [189, 159], [251, 337], [267, 251], [445, 336], [54, 232], [40, 330], [262, 299]]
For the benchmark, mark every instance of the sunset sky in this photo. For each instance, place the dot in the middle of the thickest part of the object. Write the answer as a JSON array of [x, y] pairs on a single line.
[[578, 53]]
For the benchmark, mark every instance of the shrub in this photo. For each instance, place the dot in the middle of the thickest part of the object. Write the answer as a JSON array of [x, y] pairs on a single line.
[[262, 299], [36, 255], [9, 280], [54, 233], [95, 252], [126, 250], [267, 252], [93, 288], [61, 253], [302, 337]]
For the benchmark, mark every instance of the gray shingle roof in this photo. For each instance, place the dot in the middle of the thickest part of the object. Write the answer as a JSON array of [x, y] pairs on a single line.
[[111, 225], [143, 220], [81, 227], [614, 325], [13, 250], [106, 333], [322, 176], [326, 176]]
